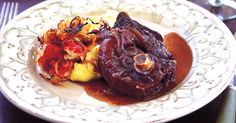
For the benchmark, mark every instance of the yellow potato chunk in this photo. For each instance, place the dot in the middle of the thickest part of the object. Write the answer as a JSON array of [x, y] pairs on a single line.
[[93, 54], [84, 72]]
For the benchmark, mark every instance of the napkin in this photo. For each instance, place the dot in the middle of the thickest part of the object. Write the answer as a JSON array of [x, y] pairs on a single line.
[[227, 111]]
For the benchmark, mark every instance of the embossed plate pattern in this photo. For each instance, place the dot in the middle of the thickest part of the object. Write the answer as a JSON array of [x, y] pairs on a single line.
[[212, 44]]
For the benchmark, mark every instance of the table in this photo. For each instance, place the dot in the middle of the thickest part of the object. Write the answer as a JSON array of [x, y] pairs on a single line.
[[11, 114]]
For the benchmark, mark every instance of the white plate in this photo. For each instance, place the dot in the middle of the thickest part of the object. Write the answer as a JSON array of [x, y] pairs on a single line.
[[212, 44]]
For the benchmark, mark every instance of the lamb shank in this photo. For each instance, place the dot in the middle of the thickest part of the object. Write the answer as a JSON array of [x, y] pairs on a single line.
[[133, 59]]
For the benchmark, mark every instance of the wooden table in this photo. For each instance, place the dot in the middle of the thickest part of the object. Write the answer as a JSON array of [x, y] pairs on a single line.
[[11, 114]]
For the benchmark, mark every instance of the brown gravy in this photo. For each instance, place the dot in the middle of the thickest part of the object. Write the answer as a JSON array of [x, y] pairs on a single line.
[[183, 56]]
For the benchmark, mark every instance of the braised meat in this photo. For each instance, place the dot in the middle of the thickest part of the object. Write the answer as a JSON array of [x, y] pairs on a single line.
[[133, 59], [123, 19]]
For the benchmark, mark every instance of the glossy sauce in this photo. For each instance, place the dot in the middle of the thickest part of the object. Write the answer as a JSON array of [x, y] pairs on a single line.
[[182, 54]]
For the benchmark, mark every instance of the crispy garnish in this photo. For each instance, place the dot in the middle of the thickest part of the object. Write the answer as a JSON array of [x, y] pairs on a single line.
[[66, 45]]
